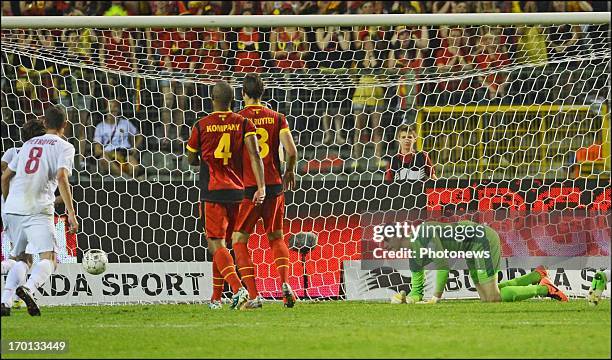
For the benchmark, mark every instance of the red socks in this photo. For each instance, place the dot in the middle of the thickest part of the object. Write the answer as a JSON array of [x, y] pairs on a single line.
[[217, 283], [245, 268], [281, 258], [225, 266]]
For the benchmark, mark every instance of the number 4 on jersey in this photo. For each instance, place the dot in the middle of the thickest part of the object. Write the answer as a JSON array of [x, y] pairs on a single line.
[[223, 149]]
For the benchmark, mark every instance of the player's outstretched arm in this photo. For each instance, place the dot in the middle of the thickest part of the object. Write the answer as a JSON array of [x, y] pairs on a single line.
[[7, 175], [290, 157], [66, 193], [257, 166]]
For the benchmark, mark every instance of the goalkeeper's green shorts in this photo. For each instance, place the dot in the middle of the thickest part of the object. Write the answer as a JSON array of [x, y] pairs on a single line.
[[483, 269]]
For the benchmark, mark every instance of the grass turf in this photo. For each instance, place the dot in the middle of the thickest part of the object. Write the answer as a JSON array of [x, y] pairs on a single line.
[[467, 329]]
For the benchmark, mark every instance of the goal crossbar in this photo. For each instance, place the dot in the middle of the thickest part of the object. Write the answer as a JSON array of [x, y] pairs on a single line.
[[40, 22]]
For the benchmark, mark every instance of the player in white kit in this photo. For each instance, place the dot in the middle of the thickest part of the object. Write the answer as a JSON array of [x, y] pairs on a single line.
[[30, 129], [43, 164]]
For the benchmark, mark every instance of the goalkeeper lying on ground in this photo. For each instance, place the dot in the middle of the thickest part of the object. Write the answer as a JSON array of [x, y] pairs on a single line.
[[483, 270]]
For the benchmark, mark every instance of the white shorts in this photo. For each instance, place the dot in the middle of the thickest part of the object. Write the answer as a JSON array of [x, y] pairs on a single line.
[[32, 234]]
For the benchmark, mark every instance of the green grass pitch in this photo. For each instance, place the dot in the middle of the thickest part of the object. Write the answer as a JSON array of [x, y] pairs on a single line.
[[333, 329]]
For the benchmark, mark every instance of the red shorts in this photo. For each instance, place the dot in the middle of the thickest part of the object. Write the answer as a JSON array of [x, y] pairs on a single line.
[[272, 211], [218, 219]]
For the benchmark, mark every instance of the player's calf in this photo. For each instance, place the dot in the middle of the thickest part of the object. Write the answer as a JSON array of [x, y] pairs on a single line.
[[245, 266], [280, 252], [16, 277]]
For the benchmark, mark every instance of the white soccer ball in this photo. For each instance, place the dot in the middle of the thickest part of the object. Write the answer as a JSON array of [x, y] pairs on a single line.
[[94, 261]]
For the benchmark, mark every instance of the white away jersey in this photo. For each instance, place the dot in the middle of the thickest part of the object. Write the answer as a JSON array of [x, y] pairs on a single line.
[[9, 154], [32, 189], [7, 157]]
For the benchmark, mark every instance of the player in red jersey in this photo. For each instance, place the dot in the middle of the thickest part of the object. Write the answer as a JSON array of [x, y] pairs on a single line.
[[216, 144], [272, 131]]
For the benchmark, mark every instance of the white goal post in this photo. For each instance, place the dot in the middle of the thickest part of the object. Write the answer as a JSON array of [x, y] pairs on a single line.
[[42, 22], [507, 110]]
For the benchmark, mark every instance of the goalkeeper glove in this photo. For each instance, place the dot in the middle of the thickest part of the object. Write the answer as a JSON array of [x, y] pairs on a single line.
[[399, 298], [433, 300]]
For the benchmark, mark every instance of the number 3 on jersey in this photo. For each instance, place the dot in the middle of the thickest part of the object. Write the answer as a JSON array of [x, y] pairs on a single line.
[[264, 149], [223, 149]]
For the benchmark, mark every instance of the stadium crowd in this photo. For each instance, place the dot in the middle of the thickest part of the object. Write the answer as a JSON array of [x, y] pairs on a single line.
[[208, 51]]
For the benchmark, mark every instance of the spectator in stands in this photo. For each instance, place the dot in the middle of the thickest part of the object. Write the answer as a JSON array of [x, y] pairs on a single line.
[[443, 7], [75, 84], [408, 46], [488, 56], [452, 57], [576, 6], [332, 53], [35, 74], [164, 7], [117, 54], [305, 7], [247, 49], [41, 8], [213, 51], [409, 164], [7, 8], [487, 6], [116, 142], [117, 8], [562, 39], [275, 7], [531, 45], [403, 7], [368, 101], [377, 34], [88, 8], [530, 42], [288, 45], [199, 8], [178, 53], [454, 7], [332, 7], [255, 7], [450, 7]]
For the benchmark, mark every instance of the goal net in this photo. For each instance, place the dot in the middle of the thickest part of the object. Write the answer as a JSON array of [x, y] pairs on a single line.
[[387, 119]]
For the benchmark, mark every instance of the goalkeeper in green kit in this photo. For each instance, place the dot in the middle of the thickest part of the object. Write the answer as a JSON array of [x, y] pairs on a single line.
[[482, 252], [600, 281]]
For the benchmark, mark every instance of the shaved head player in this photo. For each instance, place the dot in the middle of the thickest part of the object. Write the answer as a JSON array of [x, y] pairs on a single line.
[[216, 144]]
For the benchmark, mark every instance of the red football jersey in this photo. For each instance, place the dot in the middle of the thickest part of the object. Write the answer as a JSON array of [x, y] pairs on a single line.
[[269, 125], [219, 139]]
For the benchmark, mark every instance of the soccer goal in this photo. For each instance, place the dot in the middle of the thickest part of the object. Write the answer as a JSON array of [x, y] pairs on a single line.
[[390, 113]]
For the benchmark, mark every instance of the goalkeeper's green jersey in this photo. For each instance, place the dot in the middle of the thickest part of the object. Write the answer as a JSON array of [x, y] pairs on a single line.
[[482, 269]]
